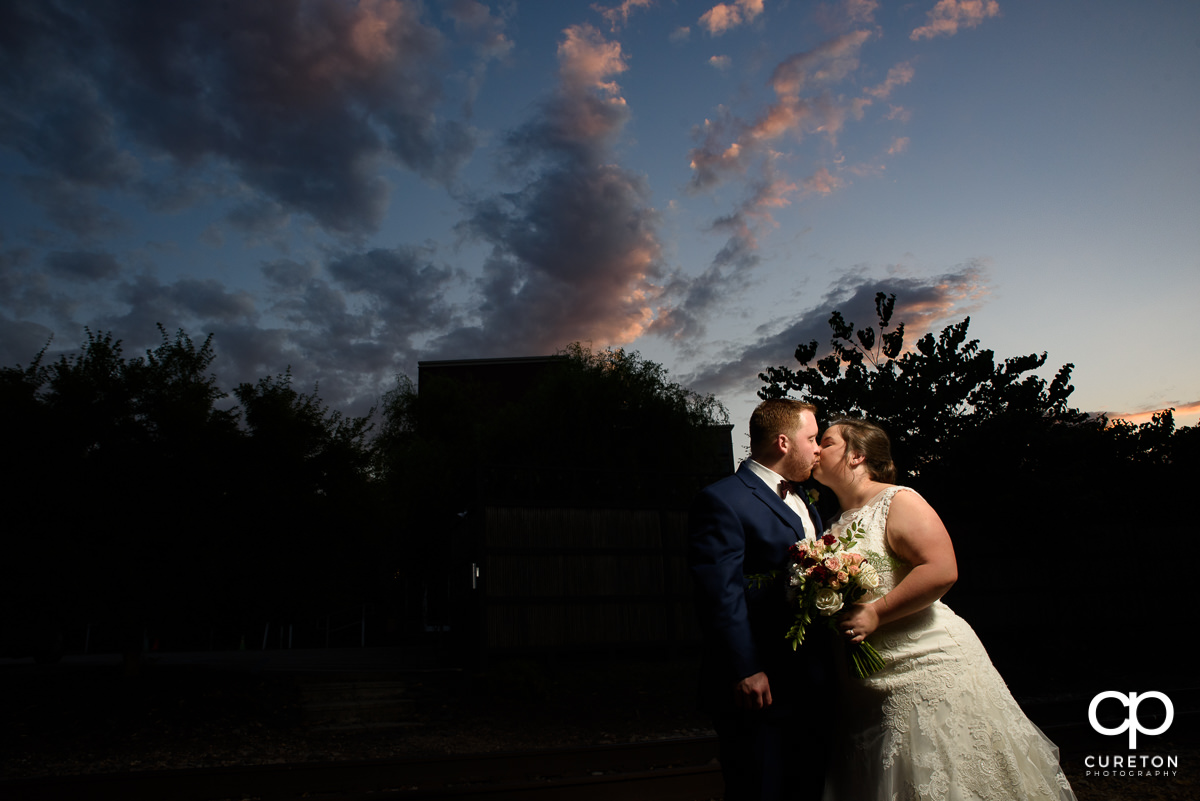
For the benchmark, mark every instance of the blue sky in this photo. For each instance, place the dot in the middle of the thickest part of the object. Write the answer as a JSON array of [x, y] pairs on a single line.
[[346, 188]]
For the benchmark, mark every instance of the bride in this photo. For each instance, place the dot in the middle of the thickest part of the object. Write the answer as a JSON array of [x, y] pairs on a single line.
[[937, 721]]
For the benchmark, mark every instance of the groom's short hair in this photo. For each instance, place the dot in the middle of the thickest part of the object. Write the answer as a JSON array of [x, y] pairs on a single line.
[[774, 417]]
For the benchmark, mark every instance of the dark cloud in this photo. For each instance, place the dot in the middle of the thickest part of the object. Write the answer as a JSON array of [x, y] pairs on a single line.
[[28, 292], [475, 24], [188, 303], [83, 265], [21, 340], [72, 208], [690, 302], [259, 218], [286, 275], [685, 320], [921, 304], [306, 101], [574, 251], [404, 286], [352, 322]]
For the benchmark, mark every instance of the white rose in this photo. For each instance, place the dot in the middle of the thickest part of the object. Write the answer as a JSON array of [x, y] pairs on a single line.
[[828, 601], [868, 579]]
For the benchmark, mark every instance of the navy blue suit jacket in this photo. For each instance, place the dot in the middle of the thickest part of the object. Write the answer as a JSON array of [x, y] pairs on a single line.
[[739, 527]]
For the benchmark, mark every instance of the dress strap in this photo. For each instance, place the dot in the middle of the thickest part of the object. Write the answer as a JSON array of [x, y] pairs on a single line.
[[882, 503]]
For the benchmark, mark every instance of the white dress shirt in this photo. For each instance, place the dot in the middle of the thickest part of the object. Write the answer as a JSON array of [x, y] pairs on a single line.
[[773, 480]]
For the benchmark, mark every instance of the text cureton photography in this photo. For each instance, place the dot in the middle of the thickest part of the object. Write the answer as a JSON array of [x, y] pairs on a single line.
[[1131, 764]]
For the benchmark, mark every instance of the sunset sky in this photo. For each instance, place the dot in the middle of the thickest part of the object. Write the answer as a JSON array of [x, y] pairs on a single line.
[[346, 187]]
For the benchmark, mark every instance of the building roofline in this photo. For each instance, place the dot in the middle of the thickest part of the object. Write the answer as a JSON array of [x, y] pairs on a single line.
[[500, 360]]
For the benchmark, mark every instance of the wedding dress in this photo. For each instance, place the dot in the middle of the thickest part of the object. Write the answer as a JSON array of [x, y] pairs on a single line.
[[937, 723]]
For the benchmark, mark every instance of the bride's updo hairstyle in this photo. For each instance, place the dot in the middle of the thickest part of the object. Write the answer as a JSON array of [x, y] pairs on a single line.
[[872, 443]]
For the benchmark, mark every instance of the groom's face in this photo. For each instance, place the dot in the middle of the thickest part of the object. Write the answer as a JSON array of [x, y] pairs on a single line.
[[803, 450]]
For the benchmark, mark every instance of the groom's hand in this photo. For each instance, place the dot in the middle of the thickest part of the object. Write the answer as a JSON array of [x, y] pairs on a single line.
[[753, 692]]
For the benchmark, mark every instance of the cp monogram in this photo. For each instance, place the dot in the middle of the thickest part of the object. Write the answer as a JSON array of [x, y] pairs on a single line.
[[1131, 723]]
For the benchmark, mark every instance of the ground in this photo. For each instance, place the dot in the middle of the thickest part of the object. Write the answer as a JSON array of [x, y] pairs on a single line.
[[68, 720]]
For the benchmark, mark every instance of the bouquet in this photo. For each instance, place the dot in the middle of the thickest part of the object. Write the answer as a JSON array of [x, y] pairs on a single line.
[[823, 577]]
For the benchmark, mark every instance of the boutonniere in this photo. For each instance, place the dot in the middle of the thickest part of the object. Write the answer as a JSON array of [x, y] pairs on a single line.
[[813, 495]]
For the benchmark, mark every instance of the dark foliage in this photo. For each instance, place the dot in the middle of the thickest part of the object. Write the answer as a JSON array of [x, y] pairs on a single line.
[[138, 500]]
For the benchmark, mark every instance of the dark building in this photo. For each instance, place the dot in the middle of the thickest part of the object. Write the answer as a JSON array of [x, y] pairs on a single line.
[[572, 533]]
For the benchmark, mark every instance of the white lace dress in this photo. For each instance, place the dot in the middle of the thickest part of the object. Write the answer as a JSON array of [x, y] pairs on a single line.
[[937, 723]]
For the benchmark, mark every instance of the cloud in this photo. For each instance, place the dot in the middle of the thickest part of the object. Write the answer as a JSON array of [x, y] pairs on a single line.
[[688, 303], [728, 144], [259, 219], [680, 34], [618, 16], [73, 208], [29, 292], [20, 340], [921, 304], [721, 62], [188, 299], [474, 21], [83, 266], [945, 18], [898, 75], [860, 11], [899, 145], [726, 16], [827, 63], [574, 251], [1182, 410], [305, 102], [475, 24], [847, 13], [822, 182], [729, 147], [404, 286]]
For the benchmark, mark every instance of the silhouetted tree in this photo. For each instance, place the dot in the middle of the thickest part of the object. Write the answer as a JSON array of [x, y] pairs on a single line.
[[928, 399], [140, 501]]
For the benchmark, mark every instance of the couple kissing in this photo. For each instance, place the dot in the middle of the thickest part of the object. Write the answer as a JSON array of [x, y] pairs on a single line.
[[936, 721]]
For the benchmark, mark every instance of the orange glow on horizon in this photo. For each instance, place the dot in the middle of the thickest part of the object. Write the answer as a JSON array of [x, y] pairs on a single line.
[[1186, 414]]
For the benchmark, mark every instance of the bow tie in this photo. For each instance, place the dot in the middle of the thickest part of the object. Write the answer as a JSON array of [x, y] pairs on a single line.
[[794, 487]]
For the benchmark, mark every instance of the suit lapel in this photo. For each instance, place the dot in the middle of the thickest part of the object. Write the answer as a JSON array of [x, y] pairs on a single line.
[[771, 499], [816, 516]]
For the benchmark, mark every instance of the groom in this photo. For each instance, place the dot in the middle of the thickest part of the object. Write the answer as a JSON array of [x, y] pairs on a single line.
[[764, 697]]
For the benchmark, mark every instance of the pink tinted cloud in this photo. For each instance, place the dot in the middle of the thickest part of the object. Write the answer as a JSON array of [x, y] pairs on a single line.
[[726, 16], [575, 252], [728, 144], [475, 20], [822, 182], [841, 15], [860, 10], [618, 16], [899, 145], [720, 62], [586, 58], [947, 16], [827, 63], [956, 295], [898, 75]]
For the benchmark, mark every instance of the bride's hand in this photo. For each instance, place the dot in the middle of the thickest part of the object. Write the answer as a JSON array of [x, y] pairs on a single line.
[[859, 621]]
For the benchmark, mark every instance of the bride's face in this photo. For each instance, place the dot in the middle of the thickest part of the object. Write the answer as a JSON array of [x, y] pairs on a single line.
[[832, 461]]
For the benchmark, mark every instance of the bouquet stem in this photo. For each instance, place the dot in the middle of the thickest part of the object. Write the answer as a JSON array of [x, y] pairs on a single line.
[[864, 659]]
